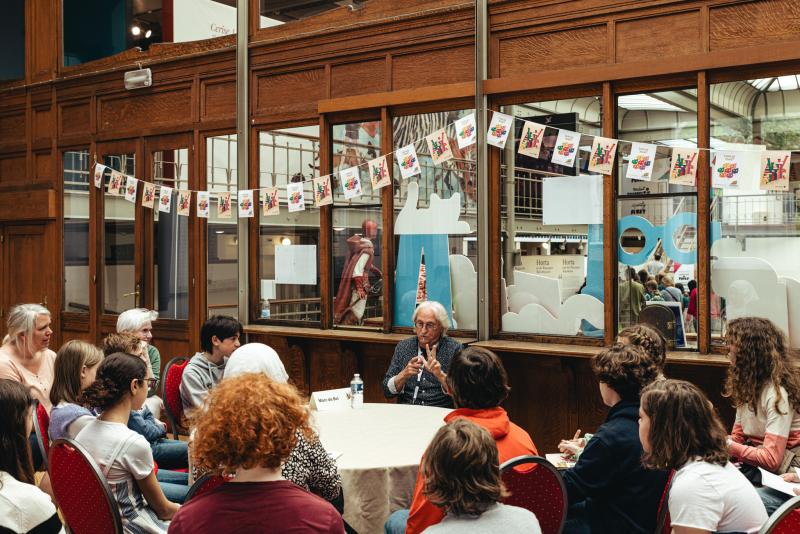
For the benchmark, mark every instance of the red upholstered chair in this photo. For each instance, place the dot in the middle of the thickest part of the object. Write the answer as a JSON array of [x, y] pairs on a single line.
[[204, 484], [785, 520], [81, 490], [41, 424], [171, 394], [536, 485], [662, 522]]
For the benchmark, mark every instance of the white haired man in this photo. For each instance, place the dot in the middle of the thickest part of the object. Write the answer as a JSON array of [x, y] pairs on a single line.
[[420, 363]]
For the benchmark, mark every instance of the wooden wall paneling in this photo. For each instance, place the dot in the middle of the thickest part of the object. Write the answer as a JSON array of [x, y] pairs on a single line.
[[387, 223], [438, 95], [373, 362], [198, 243], [28, 276], [330, 366], [31, 205], [670, 35], [703, 215], [710, 380], [289, 95], [14, 169], [43, 38], [433, 67], [217, 98], [74, 117], [12, 127], [358, 78], [137, 111], [753, 23], [610, 267], [495, 274], [325, 251], [43, 167], [292, 356]]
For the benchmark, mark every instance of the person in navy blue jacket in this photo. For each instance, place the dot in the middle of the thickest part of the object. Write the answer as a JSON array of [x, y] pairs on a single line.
[[609, 490]]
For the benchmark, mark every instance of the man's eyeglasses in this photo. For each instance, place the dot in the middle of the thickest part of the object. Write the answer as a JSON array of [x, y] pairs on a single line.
[[426, 326]]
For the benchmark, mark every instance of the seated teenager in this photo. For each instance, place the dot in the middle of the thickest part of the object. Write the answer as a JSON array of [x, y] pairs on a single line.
[[252, 446], [764, 386], [608, 489], [654, 345], [219, 337], [125, 457], [478, 384], [75, 370], [462, 477], [23, 506], [169, 454], [679, 429], [308, 465]]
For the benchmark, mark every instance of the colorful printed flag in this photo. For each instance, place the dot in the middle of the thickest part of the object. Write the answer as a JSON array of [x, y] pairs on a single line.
[[683, 166], [98, 175], [295, 196], [246, 203], [116, 185], [439, 147], [601, 159], [184, 203], [530, 140], [148, 195], [466, 131], [379, 173], [203, 203], [566, 149], [408, 161], [224, 206], [351, 182], [269, 201], [323, 195], [725, 169], [165, 199], [499, 129], [131, 185], [775, 170], [641, 161]]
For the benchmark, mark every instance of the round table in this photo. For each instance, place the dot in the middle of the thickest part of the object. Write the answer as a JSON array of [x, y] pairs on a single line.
[[381, 446]]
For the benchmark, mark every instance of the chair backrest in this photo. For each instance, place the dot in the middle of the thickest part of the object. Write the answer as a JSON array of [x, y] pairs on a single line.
[[171, 392], [785, 520], [662, 319], [81, 490], [536, 485], [662, 519], [41, 424], [203, 485]]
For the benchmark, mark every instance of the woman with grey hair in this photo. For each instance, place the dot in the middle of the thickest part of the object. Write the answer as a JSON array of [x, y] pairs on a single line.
[[139, 322], [420, 363]]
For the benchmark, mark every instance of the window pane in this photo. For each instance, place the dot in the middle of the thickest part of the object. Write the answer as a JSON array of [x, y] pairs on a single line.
[[119, 274], [435, 224], [288, 283], [357, 229], [170, 238], [552, 254], [657, 246], [222, 277], [756, 242], [12, 40], [76, 231], [276, 13]]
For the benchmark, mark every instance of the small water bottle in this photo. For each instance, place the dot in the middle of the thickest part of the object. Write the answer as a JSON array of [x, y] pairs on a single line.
[[357, 392]]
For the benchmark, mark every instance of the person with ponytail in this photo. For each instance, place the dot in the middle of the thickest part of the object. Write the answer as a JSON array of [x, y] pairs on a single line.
[[124, 456], [23, 506], [75, 370]]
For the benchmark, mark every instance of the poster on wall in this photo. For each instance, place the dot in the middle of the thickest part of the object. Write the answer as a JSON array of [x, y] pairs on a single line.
[[725, 168], [640, 162], [775, 165], [466, 131], [351, 182], [499, 128], [295, 197], [566, 149], [683, 167], [203, 202], [604, 151], [530, 139]]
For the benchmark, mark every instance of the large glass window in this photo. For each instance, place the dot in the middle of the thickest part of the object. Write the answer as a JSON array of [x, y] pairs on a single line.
[[657, 246], [754, 230], [435, 223], [170, 237], [275, 13], [288, 273], [12, 40], [119, 271], [357, 227], [76, 230], [222, 274], [552, 215]]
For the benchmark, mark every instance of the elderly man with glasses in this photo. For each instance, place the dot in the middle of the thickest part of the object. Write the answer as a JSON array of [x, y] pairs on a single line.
[[420, 363]]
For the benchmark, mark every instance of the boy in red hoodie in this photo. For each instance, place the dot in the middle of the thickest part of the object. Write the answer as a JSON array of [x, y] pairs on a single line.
[[478, 383]]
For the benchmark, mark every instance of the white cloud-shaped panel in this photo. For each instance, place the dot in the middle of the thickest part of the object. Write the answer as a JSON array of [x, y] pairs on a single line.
[[534, 318], [440, 217]]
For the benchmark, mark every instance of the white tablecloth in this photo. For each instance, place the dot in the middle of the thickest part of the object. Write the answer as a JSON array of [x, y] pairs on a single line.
[[381, 446]]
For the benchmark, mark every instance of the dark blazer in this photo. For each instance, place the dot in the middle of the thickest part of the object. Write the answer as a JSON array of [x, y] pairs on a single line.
[[430, 390]]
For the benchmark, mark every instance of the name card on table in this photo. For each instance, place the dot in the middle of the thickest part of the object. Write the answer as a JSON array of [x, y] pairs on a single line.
[[331, 400]]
